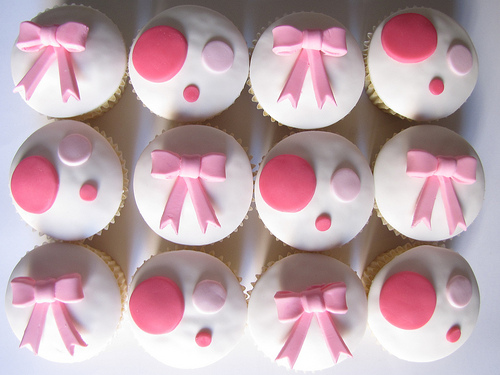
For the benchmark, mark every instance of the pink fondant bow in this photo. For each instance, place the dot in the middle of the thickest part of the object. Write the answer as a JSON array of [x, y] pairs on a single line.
[[311, 44], [320, 301], [188, 170], [44, 294], [58, 41], [439, 172]]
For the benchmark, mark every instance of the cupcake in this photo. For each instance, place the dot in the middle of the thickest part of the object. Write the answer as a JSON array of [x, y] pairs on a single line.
[[69, 61], [429, 183], [307, 312], [422, 303], [420, 65], [306, 71], [193, 185], [187, 308], [68, 181], [65, 301], [189, 63], [314, 191]]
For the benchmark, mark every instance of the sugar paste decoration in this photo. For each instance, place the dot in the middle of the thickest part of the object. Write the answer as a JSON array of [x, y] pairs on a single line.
[[157, 305], [57, 42], [440, 172], [217, 56], [287, 183], [34, 184], [311, 45], [188, 171], [453, 334], [209, 296], [88, 192], [323, 222], [407, 300], [409, 38], [459, 291], [318, 301], [160, 53], [45, 294], [191, 93], [459, 59], [346, 184], [203, 338], [74, 149], [436, 86]]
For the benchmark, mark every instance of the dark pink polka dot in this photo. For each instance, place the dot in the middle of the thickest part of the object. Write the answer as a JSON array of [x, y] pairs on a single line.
[[88, 192], [191, 93], [159, 53], [409, 38], [34, 184], [453, 334], [323, 222], [203, 338], [157, 305], [407, 300], [287, 183], [436, 86]]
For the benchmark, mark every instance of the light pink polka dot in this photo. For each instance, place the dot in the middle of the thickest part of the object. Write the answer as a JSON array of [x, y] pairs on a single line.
[[460, 59], [217, 56], [209, 296], [346, 184], [459, 291], [74, 149]]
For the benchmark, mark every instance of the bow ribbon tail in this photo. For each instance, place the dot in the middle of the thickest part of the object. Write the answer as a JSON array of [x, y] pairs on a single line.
[[67, 329], [452, 208], [295, 340], [33, 332], [334, 341], [173, 208], [204, 210], [425, 202], [293, 85], [33, 77], [67, 78], [321, 83]]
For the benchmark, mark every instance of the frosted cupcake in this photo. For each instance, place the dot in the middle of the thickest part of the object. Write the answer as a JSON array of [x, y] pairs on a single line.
[[64, 301], [189, 63], [423, 303], [187, 308], [420, 65], [307, 312], [306, 71], [68, 181], [429, 183], [69, 61]]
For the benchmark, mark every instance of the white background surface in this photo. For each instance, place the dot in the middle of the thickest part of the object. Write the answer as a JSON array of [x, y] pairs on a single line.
[[130, 241]]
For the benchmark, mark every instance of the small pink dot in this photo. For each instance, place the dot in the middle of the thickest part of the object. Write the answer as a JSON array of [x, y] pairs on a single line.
[[204, 338], [88, 192], [323, 222], [453, 334], [436, 87], [191, 93]]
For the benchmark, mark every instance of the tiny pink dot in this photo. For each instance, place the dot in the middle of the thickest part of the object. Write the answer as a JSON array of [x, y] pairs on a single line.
[[204, 338], [191, 93], [436, 87], [323, 222], [453, 334], [88, 192]]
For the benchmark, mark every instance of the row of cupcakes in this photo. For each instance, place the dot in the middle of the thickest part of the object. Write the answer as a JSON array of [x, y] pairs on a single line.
[[190, 63]]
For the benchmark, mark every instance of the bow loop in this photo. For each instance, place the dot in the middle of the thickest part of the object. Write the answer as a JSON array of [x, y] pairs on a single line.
[[335, 298], [286, 40], [72, 36], [334, 42]]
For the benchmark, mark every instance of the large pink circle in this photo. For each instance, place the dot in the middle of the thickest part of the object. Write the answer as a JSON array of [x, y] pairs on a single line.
[[407, 300], [157, 305], [34, 184], [287, 183], [159, 53], [409, 38]]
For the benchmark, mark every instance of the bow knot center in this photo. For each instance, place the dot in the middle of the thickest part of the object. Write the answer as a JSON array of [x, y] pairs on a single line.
[[48, 36], [313, 301], [446, 166], [190, 166], [45, 291], [312, 39]]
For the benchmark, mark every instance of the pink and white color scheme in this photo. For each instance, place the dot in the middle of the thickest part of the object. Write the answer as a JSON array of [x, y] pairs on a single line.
[[307, 312], [421, 64], [306, 71], [193, 185], [429, 183], [314, 191], [188, 309], [423, 304]]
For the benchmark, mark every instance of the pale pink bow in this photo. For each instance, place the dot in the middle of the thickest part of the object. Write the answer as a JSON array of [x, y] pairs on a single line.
[[188, 170], [440, 172], [47, 293], [311, 44], [320, 301], [57, 41]]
